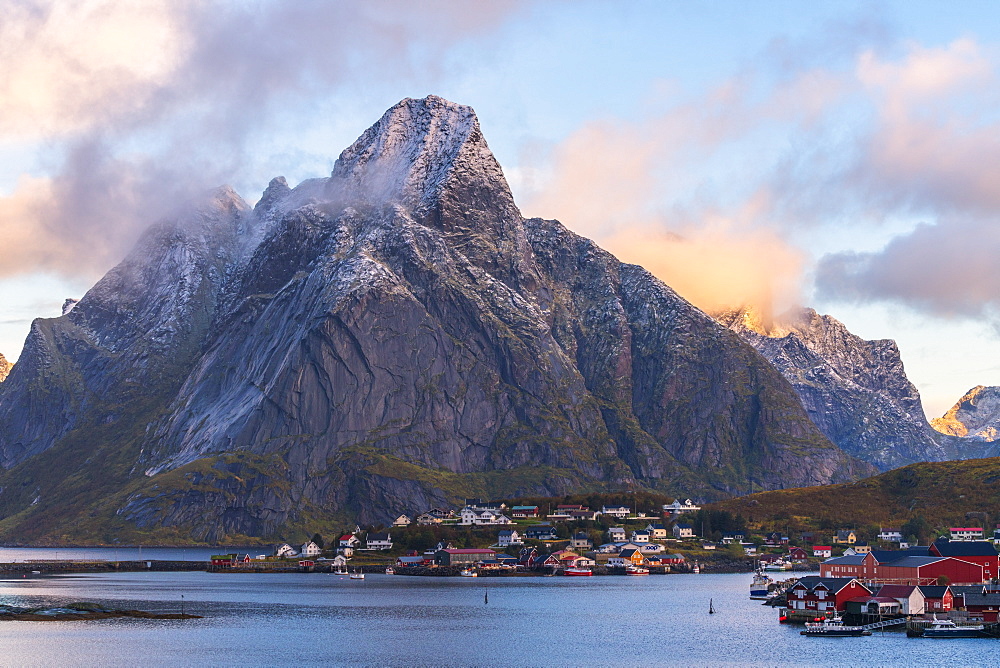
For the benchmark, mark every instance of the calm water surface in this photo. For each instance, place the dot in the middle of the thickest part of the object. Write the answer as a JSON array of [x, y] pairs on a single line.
[[318, 619]]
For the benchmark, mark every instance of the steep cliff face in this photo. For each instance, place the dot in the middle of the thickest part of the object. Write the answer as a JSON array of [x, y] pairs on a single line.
[[976, 416], [389, 338], [855, 390]]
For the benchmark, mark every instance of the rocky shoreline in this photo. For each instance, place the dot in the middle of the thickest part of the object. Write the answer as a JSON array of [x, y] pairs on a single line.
[[81, 612]]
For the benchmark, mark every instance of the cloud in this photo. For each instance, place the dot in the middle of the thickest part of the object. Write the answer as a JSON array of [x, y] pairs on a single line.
[[143, 105]]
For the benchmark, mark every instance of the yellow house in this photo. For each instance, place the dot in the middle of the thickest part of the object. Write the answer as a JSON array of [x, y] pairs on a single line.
[[845, 537]]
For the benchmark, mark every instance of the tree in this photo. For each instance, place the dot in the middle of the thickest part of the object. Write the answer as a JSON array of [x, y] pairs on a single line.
[[318, 540], [917, 527]]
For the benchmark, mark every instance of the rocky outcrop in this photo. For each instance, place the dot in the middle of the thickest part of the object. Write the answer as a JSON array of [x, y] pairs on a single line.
[[5, 368], [975, 416], [393, 337], [856, 391]]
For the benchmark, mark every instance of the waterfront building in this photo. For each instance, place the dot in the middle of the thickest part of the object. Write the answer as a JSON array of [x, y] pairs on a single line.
[[825, 594], [979, 552], [937, 598], [461, 557], [910, 597], [904, 567]]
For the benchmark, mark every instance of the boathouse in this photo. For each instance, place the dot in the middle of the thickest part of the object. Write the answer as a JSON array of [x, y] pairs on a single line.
[[461, 557], [824, 594]]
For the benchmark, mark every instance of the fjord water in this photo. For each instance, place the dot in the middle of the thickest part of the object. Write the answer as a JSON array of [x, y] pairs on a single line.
[[320, 619]]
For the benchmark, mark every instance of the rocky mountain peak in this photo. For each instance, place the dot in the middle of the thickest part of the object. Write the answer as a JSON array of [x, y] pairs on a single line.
[[976, 415], [413, 151], [5, 368]]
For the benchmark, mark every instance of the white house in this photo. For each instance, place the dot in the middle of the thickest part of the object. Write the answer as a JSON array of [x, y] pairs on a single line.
[[966, 533], [378, 541], [657, 531], [310, 549], [676, 508], [340, 560], [475, 516], [402, 521], [348, 540], [285, 550], [683, 531], [621, 512], [824, 551], [509, 537], [617, 535], [890, 534], [640, 537]]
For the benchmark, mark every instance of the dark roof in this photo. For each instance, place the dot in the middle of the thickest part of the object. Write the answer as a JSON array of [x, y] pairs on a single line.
[[991, 600], [384, 535], [581, 536], [961, 590], [914, 562], [833, 584], [627, 554], [933, 591], [849, 560], [683, 526], [965, 548], [896, 591]]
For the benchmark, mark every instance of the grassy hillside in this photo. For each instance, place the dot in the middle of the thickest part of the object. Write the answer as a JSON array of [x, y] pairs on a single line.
[[931, 496]]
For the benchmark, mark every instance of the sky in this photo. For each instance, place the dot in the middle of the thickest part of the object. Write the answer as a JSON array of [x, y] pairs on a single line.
[[843, 156]]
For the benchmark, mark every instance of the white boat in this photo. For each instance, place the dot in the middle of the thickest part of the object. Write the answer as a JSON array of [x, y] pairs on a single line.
[[578, 571], [834, 626], [759, 586], [389, 570], [946, 628], [696, 568], [636, 570], [778, 565], [468, 573], [357, 575]]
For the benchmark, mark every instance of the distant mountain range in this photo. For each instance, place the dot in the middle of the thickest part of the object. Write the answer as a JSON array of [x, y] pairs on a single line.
[[856, 391], [396, 337]]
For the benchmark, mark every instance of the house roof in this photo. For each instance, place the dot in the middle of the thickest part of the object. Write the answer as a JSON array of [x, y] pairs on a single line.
[[849, 560], [965, 548], [914, 562], [627, 554], [581, 536], [962, 590], [869, 599], [992, 600], [810, 582], [524, 508], [896, 591], [683, 526], [933, 591], [822, 547], [472, 550], [382, 535]]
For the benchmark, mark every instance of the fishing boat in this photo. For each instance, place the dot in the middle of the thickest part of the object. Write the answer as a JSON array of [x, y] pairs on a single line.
[[468, 573], [778, 565], [946, 628], [389, 570], [758, 588], [834, 627], [696, 568], [636, 570], [578, 571], [357, 575]]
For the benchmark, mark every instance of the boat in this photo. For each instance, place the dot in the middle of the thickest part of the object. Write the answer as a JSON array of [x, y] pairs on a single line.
[[357, 575], [778, 565], [758, 588], [833, 627], [636, 570], [946, 628], [696, 568], [468, 573], [389, 570], [578, 571]]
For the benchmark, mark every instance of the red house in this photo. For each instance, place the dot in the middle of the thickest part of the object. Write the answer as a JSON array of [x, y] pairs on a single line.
[[822, 595], [980, 552], [798, 554], [986, 606], [937, 598]]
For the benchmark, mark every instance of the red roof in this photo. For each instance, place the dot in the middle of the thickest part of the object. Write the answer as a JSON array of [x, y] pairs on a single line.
[[822, 547], [347, 536]]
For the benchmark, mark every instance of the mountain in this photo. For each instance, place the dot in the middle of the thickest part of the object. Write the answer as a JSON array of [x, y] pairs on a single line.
[[943, 494], [856, 391], [388, 339], [976, 415], [5, 368]]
